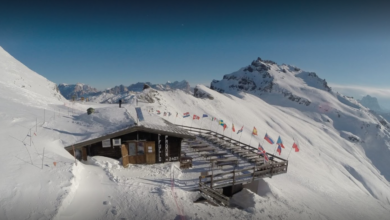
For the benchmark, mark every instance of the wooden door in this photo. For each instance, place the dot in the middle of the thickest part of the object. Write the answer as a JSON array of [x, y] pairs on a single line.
[[150, 152], [141, 153], [132, 152], [125, 155]]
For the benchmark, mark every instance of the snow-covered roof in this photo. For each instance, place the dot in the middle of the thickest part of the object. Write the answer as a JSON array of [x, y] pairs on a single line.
[[170, 130]]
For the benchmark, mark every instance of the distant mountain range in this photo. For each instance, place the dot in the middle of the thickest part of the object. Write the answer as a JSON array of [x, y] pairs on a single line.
[[371, 103], [82, 90]]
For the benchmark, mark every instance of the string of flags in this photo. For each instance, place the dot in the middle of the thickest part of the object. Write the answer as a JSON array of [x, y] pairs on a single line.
[[261, 150]]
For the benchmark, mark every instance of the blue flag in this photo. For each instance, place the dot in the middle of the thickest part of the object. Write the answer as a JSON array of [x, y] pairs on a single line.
[[205, 116]]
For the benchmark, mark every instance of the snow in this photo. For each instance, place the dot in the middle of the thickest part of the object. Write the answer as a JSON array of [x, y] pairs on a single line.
[[331, 177]]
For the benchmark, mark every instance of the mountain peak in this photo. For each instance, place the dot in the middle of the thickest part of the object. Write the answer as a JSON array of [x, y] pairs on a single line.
[[371, 103], [266, 76]]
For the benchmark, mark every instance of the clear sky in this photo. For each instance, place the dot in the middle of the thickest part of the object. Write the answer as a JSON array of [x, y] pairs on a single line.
[[104, 44]]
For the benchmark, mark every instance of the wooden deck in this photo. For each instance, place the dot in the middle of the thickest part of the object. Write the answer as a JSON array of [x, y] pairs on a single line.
[[231, 153]]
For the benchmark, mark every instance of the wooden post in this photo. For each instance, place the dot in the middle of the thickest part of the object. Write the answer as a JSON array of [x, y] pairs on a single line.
[[84, 151], [254, 170], [234, 179]]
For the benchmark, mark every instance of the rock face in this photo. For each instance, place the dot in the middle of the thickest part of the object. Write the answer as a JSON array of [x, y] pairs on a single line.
[[266, 77], [78, 90], [371, 103], [200, 93]]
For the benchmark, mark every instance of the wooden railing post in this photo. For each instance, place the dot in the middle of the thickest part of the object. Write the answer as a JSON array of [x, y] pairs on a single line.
[[234, 179]]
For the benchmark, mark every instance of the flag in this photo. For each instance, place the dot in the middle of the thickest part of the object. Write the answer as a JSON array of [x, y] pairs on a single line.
[[261, 149], [254, 132], [221, 122], [295, 146], [169, 114], [205, 116], [279, 150], [279, 142], [265, 156], [185, 115], [195, 117], [234, 130], [165, 114], [224, 127], [158, 112], [268, 139], [213, 118], [240, 129]]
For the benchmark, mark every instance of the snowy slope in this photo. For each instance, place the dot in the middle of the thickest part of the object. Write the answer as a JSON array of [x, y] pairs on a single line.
[[332, 177]]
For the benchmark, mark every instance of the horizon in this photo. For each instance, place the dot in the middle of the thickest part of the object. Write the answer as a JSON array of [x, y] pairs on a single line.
[[108, 44]]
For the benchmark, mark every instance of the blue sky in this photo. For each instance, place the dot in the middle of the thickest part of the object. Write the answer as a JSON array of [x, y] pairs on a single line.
[[104, 44]]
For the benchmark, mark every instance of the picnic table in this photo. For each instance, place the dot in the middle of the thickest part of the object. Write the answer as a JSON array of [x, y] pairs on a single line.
[[185, 162], [199, 145]]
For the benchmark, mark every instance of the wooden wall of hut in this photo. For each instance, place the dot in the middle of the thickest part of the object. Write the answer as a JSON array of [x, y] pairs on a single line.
[[97, 149], [174, 144]]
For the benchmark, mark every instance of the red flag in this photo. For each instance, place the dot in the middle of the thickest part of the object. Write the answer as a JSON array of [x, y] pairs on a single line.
[[195, 117], [295, 146], [234, 130], [224, 127]]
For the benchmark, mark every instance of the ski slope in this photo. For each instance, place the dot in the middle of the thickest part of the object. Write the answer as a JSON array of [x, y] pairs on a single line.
[[331, 177]]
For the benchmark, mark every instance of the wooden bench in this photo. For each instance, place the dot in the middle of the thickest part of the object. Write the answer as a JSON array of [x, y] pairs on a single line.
[[214, 155], [206, 149], [226, 162]]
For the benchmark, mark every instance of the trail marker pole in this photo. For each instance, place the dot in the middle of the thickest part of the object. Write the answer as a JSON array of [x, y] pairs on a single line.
[[44, 116], [36, 124], [43, 156], [30, 137], [250, 141]]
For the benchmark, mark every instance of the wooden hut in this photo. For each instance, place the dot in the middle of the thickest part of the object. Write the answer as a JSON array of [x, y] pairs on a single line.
[[138, 144]]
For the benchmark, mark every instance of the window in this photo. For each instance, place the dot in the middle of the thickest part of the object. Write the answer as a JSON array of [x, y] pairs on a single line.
[[141, 150]]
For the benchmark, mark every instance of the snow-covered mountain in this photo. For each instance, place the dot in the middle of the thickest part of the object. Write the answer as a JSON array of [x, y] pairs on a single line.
[[371, 103], [339, 172], [77, 90], [112, 95], [291, 87], [266, 77], [138, 87]]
